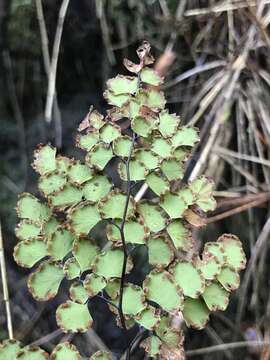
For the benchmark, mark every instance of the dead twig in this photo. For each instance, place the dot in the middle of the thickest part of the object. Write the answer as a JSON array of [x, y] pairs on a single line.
[[237, 210], [5, 286], [222, 8], [54, 61], [47, 66], [223, 347], [263, 237]]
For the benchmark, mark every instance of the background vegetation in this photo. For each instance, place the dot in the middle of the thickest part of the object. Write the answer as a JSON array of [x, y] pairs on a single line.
[[219, 81]]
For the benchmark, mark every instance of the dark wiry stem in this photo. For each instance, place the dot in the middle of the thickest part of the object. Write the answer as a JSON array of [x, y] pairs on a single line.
[[135, 342], [121, 228], [123, 240]]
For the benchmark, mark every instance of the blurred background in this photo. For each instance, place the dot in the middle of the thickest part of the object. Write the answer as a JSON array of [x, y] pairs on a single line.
[[215, 56]]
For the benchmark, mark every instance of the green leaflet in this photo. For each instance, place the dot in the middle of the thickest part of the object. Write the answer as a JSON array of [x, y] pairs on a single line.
[[109, 264], [78, 293], [99, 156], [51, 183], [173, 204], [209, 267], [32, 353], [93, 284], [28, 252], [188, 278], [195, 313], [155, 99], [216, 249], [123, 84], [148, 158], [73, 317], [122, 146], [87, 141], [186, 136], [109, 132], [133, 299], [71, 268], [233, 251], [84, 250], [9, 349], [148, 317], [62, 164], [160, 288], [157, 184], [215, 297], [170, 336], [168, 123], [50, 226], [83, 218], [45, 281], [96, 119], [180, 235], [79, 173], [161, 147], [27, 229], [160, 252], [101, 355], [44, 159], [229, 279], [69, 195], [113, 206], [137, 170], [29, 207], [143, 126], [172, 169], [96, 188], [152, 216], [152, 345], [60, 243], [202, 189], [117, 100], [150, 76], [135, 232], [65, 351]]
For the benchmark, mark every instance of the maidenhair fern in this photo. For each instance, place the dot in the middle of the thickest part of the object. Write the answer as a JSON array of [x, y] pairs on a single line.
[[55, 236]]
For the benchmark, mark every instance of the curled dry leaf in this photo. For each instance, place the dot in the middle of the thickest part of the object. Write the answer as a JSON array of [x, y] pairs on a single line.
[[194, 218]]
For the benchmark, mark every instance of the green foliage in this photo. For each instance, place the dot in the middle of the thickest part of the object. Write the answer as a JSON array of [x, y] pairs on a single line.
[[189, 278], [101, 355], [159, 286], [148, 317], [133, 299], [78, 293], [79, 195], [84, 251], [32, 353], [65, 351], [13, 349], [195, 313], [157, 183], [152, 215], [109, 263], [44, 282], [152, 346], [93, 284], [71, 268], [28, 252], [73, 317], [9, 349]]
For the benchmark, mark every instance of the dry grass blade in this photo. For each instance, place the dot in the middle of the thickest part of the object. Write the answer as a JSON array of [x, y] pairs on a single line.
[[229, 346], [54, 61], [5, 287]]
